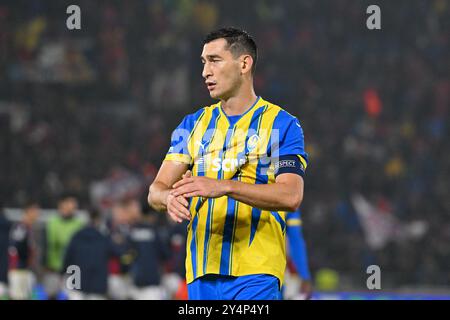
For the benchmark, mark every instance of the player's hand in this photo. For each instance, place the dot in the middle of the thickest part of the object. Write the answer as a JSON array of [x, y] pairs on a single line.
[[177, 208], [306, 290], [187, 174], [205, 187]]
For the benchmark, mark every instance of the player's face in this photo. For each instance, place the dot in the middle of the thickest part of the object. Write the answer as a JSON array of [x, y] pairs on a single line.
[[220, 69]]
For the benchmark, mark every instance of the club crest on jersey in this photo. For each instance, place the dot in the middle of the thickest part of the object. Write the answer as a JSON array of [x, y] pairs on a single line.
[[253, 142]]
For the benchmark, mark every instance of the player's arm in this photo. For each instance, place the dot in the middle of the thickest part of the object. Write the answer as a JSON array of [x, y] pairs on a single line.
[[285, 194], [289, 160], [159, 197], [299, 256], [298, 250], [298, 253]]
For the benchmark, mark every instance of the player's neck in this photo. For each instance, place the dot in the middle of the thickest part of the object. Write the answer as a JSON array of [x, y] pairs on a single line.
[[240, 103]]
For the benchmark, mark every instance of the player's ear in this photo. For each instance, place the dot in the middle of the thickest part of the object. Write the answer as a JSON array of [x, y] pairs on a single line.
[[246, 63]]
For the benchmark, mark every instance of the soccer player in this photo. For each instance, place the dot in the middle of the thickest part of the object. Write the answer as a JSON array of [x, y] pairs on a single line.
[[22, 254], [298, 253], [233, 169]]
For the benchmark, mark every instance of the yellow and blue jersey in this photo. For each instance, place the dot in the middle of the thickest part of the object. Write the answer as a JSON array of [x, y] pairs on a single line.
[[225, 236]]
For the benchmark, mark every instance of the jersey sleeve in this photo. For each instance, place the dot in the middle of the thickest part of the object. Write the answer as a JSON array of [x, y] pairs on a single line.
[[288, 146], [179, 150], [293, 218], [298, 251]]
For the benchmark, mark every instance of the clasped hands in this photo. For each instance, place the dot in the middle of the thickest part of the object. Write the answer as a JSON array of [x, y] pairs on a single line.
[[188, 187]]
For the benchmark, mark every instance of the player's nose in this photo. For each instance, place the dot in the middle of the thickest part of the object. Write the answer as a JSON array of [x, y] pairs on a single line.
[[206, 71]]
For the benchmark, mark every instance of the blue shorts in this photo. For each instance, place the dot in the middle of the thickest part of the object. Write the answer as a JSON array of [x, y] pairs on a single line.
[[219, 287]]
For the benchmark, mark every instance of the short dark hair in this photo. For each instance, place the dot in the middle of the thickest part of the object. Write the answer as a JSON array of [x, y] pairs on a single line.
[[239, 42]]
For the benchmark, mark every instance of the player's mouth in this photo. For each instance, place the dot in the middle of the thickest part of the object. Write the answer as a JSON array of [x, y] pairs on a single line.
[[210, 85]]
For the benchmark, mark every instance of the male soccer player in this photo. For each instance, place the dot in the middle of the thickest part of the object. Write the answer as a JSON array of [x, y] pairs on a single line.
[[233, 169]]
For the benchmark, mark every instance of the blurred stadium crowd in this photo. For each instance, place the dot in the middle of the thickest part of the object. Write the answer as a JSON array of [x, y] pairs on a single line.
[[89, 112]]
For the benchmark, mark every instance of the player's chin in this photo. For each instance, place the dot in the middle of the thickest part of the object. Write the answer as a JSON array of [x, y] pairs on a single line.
[[215, 94]]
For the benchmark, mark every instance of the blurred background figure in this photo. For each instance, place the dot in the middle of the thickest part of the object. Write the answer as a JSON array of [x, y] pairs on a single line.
[[22, 254], [119, 282], [297, 260], [5, 226], [149, 248], [174, 280], [90, 250], [58, 232]]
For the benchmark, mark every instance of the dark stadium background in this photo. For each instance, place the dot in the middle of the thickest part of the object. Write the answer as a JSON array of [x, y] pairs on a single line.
[[84, 111]]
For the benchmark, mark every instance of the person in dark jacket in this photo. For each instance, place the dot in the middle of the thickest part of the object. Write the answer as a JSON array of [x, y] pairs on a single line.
[[176, 264], [150, 250], [89, 250], [22, 254], [5, 226], [119, 283]]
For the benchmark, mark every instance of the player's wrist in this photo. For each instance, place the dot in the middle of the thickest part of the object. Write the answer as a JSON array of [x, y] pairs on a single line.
[[227, 187], [165, 198]]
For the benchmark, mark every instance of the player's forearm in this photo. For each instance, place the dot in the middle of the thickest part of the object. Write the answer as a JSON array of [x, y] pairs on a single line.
[[275, 196], [157, 196]]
